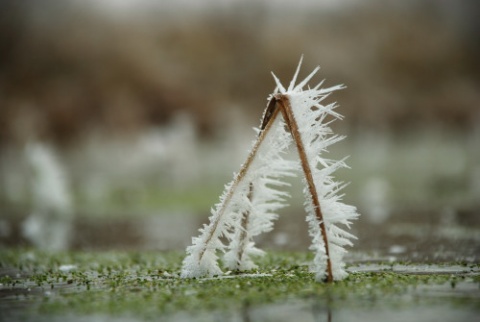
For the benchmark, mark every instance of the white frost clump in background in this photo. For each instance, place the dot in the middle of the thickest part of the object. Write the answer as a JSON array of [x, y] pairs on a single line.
[[49, 224], [376, 199]]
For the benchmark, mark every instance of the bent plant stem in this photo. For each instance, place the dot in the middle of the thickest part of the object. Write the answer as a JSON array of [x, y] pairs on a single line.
[[287, 112], [244, 228], [266, 125]]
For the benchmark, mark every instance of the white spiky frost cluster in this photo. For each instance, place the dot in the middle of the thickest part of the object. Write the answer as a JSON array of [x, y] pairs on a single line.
[[249, 204], [245, 211], [316, 135]]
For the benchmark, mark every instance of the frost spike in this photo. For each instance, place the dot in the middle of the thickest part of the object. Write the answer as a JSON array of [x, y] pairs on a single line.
[[319, 84], [306, 80], [329, 89], [279, 85], [294, 79]]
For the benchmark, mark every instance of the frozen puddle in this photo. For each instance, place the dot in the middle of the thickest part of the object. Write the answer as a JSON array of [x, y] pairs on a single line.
[[313, 311], [228, 276], [415, 269], [435, 269]]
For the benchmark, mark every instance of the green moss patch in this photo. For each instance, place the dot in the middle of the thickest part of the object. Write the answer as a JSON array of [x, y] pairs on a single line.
[[147, 285]]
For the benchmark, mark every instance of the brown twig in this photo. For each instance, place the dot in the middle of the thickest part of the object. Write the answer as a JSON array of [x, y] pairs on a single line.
[[292, 125], [244, 227]]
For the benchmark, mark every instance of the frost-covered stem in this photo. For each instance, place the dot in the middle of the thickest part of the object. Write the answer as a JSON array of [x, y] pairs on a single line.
[[266, 126], [287, 112], [244, 226]]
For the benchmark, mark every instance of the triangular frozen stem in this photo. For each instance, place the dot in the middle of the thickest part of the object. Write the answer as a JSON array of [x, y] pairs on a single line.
[[250, 203]]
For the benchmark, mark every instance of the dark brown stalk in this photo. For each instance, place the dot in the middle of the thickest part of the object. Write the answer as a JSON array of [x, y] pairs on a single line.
[[269, 112], [244, 224], [265, 127], [287, 112]]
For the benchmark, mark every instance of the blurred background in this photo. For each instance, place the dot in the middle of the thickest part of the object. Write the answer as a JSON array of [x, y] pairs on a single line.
[[120, 121]]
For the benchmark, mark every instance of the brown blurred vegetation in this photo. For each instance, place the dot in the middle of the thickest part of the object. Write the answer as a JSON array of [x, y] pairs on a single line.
[[68, 68]]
